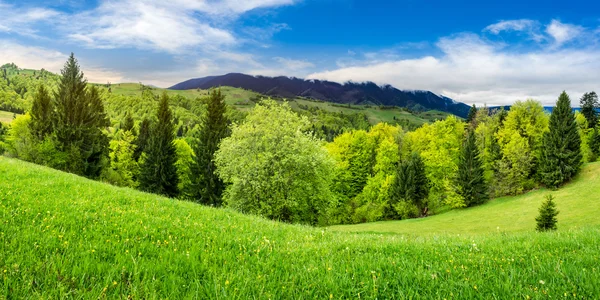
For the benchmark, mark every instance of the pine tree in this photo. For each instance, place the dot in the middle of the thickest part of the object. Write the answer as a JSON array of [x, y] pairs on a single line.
[[546, 220], [206, 186], [561, 157], [158, 171], [589, 105], [142, 139], [78, 122], [595, 141], [471, 181], [41, 113], [411, 188], [472, 114], [128, 124]]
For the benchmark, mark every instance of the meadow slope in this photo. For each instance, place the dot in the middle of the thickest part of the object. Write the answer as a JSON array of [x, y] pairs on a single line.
[[62, 236], [578, 204]]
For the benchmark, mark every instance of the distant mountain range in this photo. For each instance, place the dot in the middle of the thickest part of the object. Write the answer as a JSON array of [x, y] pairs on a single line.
[[347, 93]]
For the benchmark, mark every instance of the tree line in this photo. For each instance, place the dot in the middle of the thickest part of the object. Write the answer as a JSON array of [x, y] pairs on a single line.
[[273, 161]]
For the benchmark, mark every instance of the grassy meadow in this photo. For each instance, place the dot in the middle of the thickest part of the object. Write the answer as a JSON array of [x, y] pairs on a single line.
[[62, 236], [6, 116]]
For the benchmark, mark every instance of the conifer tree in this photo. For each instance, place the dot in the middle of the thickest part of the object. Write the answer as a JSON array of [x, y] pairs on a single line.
[[41, 113], [471, 181], [595, 141], [472, 114], [158, 172], [561, 157], [78, 121], [128, 124], [206, 186], [411, 187], [589, 105], [546, 220], [142, 139]]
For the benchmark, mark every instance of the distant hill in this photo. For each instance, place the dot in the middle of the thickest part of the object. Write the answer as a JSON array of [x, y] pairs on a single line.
[[348, 93]]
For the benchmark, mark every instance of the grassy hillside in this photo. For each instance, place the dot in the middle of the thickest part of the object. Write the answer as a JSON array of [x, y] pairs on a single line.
[[62, 236], [6, 116], [577, 202]]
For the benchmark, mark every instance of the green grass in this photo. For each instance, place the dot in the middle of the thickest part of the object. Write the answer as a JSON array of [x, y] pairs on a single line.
[[62, 236], [577, 202], [6, 116]]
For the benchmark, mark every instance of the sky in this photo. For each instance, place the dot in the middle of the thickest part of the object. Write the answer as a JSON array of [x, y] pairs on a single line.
[[481, 52]]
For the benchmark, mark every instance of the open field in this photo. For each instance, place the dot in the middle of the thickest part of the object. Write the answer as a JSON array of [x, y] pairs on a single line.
[[6, 116], [577, 202], [62, 236]]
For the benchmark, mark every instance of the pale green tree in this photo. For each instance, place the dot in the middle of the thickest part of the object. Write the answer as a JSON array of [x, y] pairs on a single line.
[[274, 168]]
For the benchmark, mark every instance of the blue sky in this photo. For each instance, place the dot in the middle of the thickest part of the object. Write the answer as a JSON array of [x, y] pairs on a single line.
[[492, 52]]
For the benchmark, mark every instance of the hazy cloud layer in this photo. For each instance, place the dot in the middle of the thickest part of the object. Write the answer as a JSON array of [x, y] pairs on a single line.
[[474, 69]]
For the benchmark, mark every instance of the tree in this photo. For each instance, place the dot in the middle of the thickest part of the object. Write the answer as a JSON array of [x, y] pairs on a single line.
[[123, 170], [274, 167], [128, 124], [546, 220], [561, 156], [471, 180], [158, 171], [78, 122], [411, 188], [142, 139], [206, 186], [589, 105], [41, 113], [472, 114], [595, 141]]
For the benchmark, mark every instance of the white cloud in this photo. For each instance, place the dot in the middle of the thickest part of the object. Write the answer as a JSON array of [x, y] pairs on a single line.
[[474, 70], [292, 64], [172, 26], [562, 33], [20, 21], [511, 25], [29, 57]]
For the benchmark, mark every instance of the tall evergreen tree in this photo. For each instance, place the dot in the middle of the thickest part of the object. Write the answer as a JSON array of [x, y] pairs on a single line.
[[127, 124], [158, 171], [411, 188], [472, 114], [78, 121], [142, 139], [206, 186], [41, 113], [595, 141], [471, 181], [546, 220], [589, 105], [561, 157]]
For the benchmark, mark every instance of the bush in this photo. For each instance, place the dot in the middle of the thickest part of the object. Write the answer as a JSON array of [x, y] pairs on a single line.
[[547, 218]]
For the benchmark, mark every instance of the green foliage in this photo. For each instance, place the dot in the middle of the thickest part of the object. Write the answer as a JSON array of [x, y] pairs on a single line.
[[546, 220], [158, 173], [128, 123], [41, 114], [594, 142], [78, 122], [470, 181], [520, 141], [207, 187], [561, 157], [439, 145], [185, 159], [142, 139], [123, 169], [472, 114], [589, 105], [275, 169], [411, 188]]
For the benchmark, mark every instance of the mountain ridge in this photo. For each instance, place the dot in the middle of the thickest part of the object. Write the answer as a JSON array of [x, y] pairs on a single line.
[[346, 93]]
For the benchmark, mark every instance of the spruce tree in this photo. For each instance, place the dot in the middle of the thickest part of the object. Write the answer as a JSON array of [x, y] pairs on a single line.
[[472, 114], [142, 139], [546, 220], [78, 121], [127, 124], [158, 171], [589, 105], [595, 141], [411, 186], [561, 157], [206, 186], [470, 180], [41, 113]]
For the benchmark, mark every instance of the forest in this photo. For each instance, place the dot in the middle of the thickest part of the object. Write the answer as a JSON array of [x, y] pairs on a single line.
[[316, 167]]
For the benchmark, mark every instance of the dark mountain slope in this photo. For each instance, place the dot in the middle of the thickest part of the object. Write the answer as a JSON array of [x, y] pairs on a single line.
[[348, 93]]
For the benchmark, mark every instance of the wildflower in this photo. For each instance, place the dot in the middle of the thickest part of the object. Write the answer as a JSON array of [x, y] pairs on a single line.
[[226, 282], [542, 282], [114, 283], [330, 296]]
